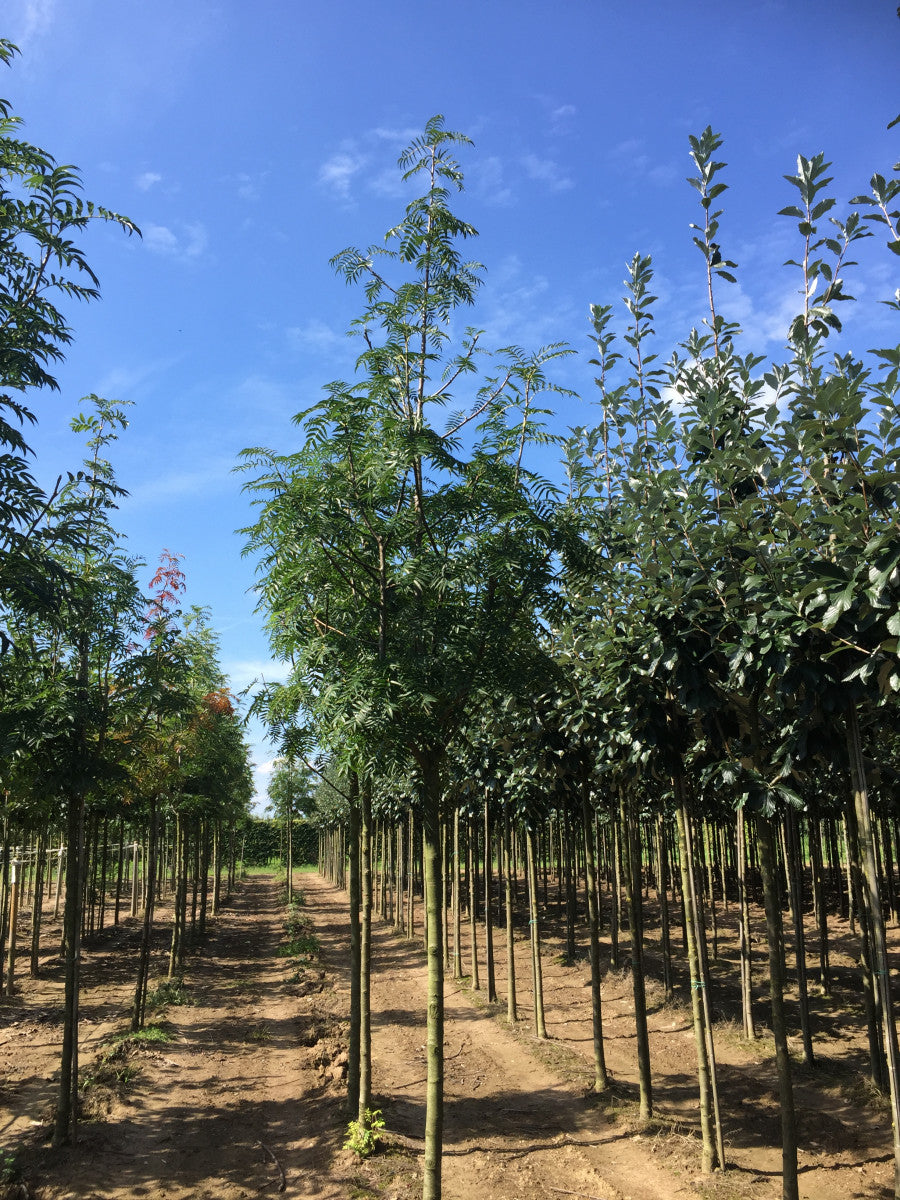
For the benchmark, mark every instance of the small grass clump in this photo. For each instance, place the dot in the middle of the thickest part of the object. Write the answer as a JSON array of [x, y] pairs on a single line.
[[150, 1035], [168, 991], [302, 943]]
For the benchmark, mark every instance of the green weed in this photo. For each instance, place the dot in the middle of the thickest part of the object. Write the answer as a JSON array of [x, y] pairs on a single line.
[[150, 1035], [302, 943], [169, 991], [10, 1171], [364, 1137]]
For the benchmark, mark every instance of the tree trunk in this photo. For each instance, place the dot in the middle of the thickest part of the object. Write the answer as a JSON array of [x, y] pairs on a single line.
[[434, 1086], [601, 1079], [488, 921], [540, 1027], [66, 1119], [876, 919], [630, 870], [365, 951], [745, 943], [767, 861], [511, 1007], [713, 1152], [353, 1053]]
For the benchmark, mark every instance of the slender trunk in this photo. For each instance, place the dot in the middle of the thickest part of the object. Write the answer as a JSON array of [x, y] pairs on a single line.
[[794, 868], [434, 1087], [876, 918], [472, 852], [457, 902], [713, 1145], [140, 991], [767, 861], [365, 951], [37, 908], [662, 894], [631, 869], [488, 922], [745, 942], [511, 1008], [821, 907], [15, 886], [601, 1079], [120, 871], [353, 1070], [66, 1109], [540, 1027]]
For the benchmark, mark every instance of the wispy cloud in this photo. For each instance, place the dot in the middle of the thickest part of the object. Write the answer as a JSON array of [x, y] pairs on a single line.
[[248, 186], [337, 173], [315, 335], [147, 180], [631, 157], [489, 181], [545, 170], [213, 477], [31, 19], [763, 320], [188, 243], [517, 307], [399, 136]]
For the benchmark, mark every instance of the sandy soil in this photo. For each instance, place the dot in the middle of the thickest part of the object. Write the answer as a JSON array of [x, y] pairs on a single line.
[[247, 1097]]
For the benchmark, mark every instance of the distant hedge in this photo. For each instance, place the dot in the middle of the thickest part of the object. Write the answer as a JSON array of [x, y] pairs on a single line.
[[264, 839]]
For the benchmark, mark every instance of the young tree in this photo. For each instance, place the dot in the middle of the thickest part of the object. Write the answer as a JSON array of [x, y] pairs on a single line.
[[41, 208], [402, 563]]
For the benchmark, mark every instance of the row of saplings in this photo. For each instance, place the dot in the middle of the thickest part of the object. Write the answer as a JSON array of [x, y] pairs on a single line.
[[192, 862], [594, 871]]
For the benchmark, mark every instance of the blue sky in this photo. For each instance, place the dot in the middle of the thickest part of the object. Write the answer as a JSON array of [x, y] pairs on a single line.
[[250, 143]]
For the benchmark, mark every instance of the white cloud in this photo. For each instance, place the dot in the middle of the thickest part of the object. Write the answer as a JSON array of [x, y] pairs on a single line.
[[147, 180], [31, 19], [315, 335], [631, 157], [489, 181], [189, 242], [545, 170], [215, 476], [160, 239], [518, 308], [247, 186], [337, 173], [402, 136], [564, 110], [762, 321]]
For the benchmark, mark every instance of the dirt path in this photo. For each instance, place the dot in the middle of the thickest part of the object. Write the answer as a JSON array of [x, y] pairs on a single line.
[[232, 1100], [248, 1094]]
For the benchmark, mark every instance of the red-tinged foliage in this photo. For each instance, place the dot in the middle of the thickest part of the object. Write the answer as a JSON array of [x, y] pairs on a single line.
[[219, 702], [166, 585]]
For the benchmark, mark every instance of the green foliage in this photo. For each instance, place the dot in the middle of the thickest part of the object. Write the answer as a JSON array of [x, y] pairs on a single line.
[[302, 943], [365, 1136], [149, 1035], [401, 563], [10, 1170], [41, 208], [167, 991], [733, 580], [264, 842]]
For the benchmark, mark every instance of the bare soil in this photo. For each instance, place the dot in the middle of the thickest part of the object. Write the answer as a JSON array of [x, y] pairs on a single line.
[[246, 1098]]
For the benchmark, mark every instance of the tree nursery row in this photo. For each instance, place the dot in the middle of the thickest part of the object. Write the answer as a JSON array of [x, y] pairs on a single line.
[[669, 661]]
